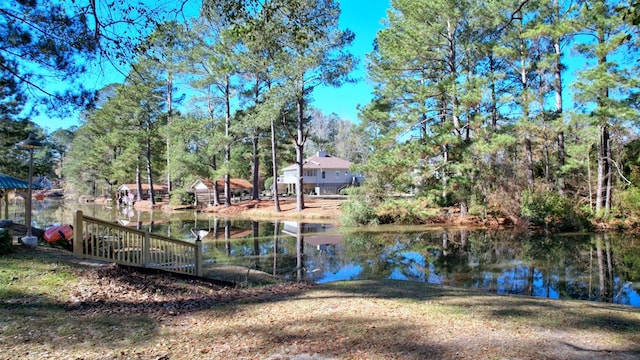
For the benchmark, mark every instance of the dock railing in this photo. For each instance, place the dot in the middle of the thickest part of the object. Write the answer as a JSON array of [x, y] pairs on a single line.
[[101, 240]]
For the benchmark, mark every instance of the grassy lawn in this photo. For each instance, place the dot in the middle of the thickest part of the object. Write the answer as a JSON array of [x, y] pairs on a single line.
[[53, 306]]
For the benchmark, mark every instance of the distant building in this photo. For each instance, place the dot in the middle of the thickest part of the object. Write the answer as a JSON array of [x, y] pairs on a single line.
[[323, 175], [204, 188], [130, 191]]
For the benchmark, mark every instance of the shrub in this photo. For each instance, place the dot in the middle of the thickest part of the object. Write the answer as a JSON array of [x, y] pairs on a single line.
[[357, 212], [5, 241], [630, 201], [268, 182], [553, 212], [408, 212], [181, 197]]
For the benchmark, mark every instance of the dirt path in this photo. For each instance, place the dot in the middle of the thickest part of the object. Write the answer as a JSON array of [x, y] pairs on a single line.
[[319, 209]]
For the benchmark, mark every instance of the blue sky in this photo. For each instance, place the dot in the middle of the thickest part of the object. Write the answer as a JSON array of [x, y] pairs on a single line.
[[363, 17]]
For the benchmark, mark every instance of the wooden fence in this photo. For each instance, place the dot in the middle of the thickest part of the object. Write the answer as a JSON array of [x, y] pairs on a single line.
[[100, 240]]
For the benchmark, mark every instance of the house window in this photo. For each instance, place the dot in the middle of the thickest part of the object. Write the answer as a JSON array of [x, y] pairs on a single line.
[[324, 175], [310, 173], [337, 174]]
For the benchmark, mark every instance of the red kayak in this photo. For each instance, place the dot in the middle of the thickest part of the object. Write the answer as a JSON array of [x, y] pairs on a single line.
[[56, 233]]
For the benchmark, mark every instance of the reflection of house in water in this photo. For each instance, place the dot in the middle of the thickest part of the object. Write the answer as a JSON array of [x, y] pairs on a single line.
[[317, 235]]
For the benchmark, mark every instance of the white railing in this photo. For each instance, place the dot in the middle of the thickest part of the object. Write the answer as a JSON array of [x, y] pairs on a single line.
[[100, 240]]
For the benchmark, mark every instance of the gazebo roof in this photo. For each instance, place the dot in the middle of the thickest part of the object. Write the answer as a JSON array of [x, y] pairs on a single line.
[[8, 182]]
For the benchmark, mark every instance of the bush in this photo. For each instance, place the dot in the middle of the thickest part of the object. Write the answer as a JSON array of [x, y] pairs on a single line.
[[553, 212], [357, 212], [407, 212], [182, 197], [268, 182], [630, 201], [5, 241]]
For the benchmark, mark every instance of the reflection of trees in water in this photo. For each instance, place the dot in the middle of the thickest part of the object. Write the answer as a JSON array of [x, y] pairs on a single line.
[[627, 264], [582, 266], [617, 265], [501, 261], [380, 255], [558, 263]]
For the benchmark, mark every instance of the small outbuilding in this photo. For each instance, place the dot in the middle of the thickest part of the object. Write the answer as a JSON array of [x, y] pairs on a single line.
[[7, 184], [129, 192], [203, 188]]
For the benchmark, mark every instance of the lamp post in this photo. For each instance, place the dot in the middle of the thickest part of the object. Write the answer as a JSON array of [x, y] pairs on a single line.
[[30, 143]]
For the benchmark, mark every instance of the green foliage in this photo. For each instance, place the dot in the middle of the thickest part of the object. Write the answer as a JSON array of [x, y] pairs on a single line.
[[5, 241], [630, 201], [268, 182], [181, 197], [43, 51], [358, 210], [553, 211], [410, 212]]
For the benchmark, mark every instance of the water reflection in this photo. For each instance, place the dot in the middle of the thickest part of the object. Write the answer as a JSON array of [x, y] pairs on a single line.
[[599, 267]]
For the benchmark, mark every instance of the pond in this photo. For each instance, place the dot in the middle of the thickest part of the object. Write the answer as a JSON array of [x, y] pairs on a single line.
[[598, 267]]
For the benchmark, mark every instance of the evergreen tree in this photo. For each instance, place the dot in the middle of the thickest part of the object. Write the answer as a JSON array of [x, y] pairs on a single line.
[[316, 48], [605, 86]]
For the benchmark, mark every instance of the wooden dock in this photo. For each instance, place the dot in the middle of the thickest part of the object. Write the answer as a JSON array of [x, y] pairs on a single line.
[[100, 240]]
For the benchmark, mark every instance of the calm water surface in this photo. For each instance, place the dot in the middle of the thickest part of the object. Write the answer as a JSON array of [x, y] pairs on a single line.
[[599, 267]]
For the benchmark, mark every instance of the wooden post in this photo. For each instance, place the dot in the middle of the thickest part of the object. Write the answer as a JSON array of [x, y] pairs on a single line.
[[5, 195], [78, 238], [198, 258], [146, 249]]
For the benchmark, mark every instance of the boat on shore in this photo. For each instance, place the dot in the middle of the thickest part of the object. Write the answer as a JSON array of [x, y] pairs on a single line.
[[57, 233]]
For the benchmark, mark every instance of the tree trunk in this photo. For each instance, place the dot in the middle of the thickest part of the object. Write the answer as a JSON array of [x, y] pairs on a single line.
[[256, 166], [547, 160], [138, 180], [445, 161], [216, 195], [601, 187], [169, 114], [254, 141], [152, 193], [525, 112], [557, 86], [464, 209], [603, 191], [299, 143], [227, 146], [274, 153], [529, 157]]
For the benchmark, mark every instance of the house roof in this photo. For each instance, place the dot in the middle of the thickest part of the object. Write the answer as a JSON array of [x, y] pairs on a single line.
[[145, 187], [234, 183], [8, 182], [323, 161]]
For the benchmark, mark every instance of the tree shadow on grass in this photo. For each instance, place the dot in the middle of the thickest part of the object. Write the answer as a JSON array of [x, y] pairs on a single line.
[[551, 313], [47, 322]]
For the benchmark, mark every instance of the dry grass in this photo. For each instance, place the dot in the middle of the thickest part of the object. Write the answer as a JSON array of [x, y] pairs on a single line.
[[54, 307]]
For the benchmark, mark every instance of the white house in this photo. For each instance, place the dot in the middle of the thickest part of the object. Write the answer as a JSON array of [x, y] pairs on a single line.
[[322, 175]]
